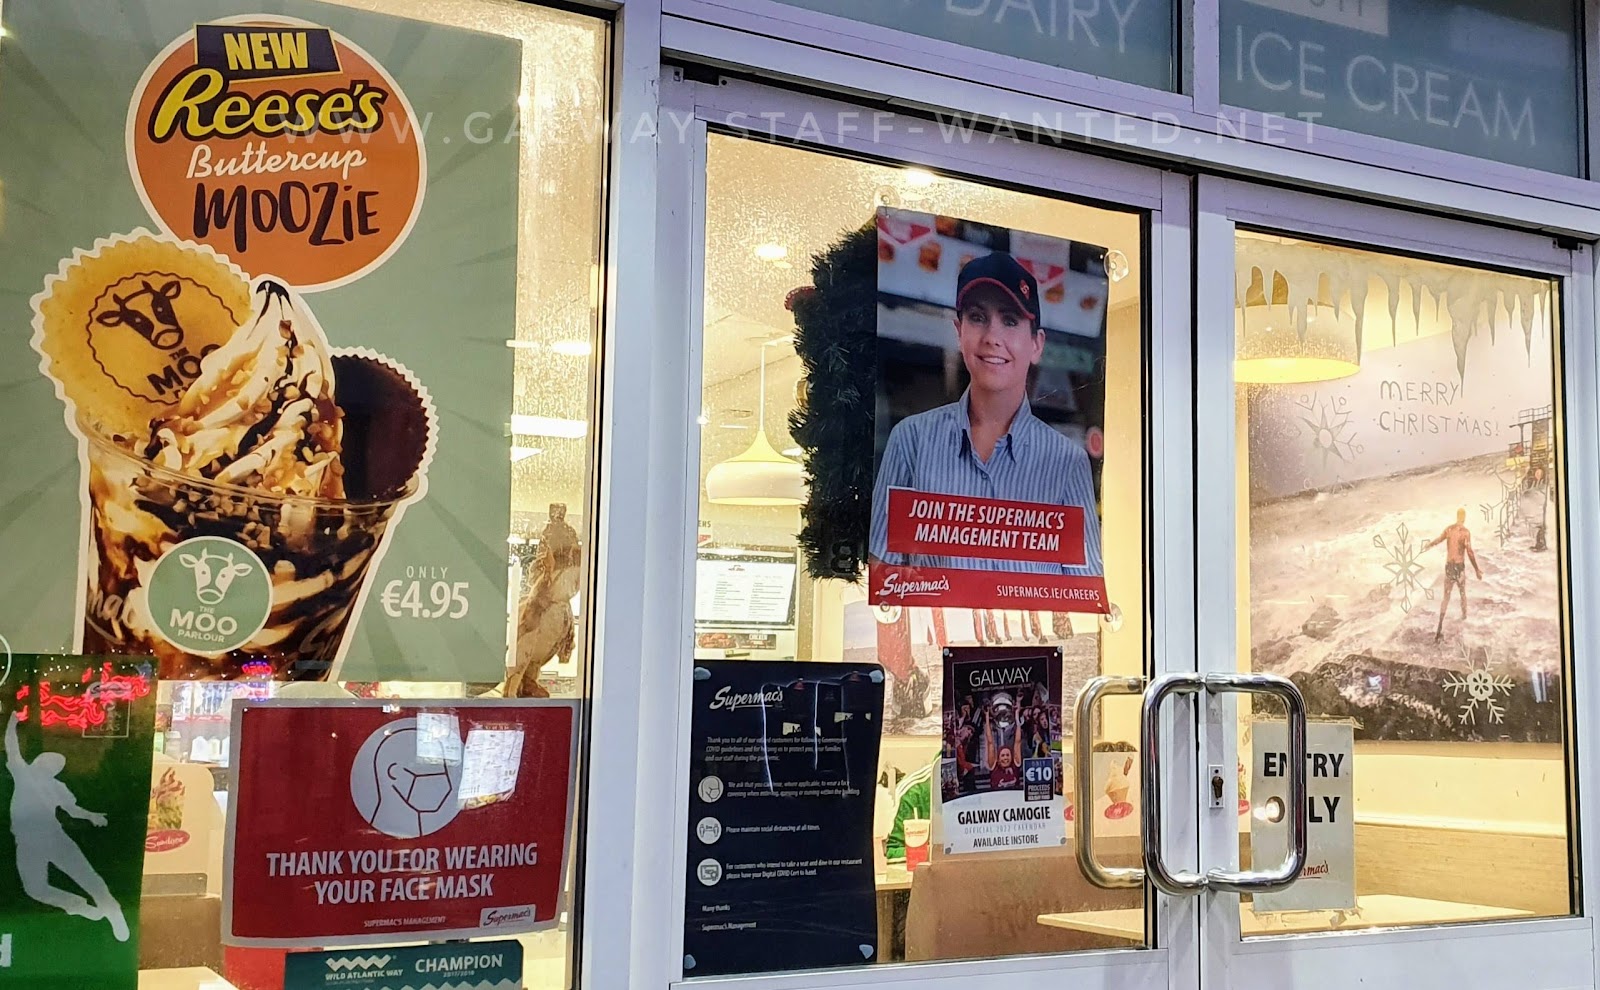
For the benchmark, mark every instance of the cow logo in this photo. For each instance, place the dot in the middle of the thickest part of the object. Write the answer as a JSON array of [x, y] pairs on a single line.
[[209, 595], [137, 332], [124, 327], [403, 785]]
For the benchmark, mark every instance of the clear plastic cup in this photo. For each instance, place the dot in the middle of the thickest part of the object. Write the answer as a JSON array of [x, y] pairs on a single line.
[[917, 832], [318, 553]]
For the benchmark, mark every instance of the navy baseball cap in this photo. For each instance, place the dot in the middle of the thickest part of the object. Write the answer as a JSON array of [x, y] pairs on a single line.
[[1002, 270]]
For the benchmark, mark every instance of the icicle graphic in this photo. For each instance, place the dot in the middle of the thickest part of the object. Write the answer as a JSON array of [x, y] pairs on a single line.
[[1360, 285], [1417, 288], [1525, 294], [1462, 316], [1391, 281]]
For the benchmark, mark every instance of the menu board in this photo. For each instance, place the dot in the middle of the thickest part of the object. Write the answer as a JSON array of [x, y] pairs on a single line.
[[745, 589], [489, 772]]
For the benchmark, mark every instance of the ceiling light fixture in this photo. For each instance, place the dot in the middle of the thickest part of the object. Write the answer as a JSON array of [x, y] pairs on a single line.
[[919, 178], [771, 252], [760, 476], [573, 348], [549, 426], [1280, 344]]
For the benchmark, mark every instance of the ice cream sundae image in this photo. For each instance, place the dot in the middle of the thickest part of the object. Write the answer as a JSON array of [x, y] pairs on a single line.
[[242, 474], [1117, 788], [166, 803]]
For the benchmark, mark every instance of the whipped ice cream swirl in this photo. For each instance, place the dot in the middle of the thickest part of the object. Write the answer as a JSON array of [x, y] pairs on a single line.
[[262, 414]]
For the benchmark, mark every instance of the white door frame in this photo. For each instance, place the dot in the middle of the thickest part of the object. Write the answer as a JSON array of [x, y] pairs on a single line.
[[1529, 955], [689, 111]]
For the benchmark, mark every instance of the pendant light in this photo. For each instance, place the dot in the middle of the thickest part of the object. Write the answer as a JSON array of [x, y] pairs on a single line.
[[1279, 343], [760, 476]]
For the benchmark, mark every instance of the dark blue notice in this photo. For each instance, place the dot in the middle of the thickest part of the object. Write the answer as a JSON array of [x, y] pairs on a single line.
[[780, 816]]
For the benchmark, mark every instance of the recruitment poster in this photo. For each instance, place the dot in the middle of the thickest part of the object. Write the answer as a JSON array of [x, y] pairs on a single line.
[[1328, 881], [77, 741], [252, 337], [783, 759], [1000, 773], [990, 429], [403, 821], [448, 966]]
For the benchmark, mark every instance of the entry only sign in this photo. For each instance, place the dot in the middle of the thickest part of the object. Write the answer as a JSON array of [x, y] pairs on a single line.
[[368, 822], [1329, 879]]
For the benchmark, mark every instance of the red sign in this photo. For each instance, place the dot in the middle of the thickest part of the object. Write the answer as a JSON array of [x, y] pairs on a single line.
[[357, 822], [964, 526], [928, 586], [166, 840], [86, 711]]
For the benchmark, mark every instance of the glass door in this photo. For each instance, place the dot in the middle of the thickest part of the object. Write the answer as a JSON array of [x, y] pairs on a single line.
[[856, 290], [1398, 413]]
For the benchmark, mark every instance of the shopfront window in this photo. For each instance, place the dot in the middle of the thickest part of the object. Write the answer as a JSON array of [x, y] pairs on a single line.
[[301, 306], [1488, 78], [830, 335], [1129, 40], [1402, 558]]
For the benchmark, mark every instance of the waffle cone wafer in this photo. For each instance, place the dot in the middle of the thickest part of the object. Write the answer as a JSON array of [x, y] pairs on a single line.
[[123, 327]]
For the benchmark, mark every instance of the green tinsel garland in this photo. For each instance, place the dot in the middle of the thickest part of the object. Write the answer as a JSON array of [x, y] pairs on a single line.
[[836, 339]]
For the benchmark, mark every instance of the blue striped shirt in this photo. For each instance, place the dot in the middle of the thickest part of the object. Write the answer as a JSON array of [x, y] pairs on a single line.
[[932, 452]]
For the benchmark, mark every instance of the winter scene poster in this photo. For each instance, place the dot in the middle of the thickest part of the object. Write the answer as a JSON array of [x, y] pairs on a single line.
[[1404, 563]]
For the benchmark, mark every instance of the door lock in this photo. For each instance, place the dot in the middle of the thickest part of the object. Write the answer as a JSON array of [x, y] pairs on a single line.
[[1217, 785]]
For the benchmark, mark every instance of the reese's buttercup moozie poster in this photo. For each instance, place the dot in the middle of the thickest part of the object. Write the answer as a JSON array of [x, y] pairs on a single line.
[[252, 327]]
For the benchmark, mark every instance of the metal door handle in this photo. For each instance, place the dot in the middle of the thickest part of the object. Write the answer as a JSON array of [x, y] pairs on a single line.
[[1109, 877], [1267, 881], [1181, 882]]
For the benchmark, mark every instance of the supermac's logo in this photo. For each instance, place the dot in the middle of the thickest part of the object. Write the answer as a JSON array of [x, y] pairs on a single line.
[[893, 587], [501, 917], [282, 145], [727, 698]]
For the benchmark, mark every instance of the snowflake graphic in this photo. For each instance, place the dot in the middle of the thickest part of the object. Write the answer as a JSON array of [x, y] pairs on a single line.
[[1405, 574], [1328, 422], [1480, 686], [1503, 515]]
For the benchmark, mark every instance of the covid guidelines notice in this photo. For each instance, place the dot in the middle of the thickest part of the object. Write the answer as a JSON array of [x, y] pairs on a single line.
[[783, 768]]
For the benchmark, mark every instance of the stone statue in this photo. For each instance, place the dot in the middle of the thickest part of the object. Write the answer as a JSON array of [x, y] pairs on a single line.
[[545, 623]]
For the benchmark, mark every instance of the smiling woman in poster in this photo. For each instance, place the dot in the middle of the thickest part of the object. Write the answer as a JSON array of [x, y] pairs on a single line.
[[988, 444]]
